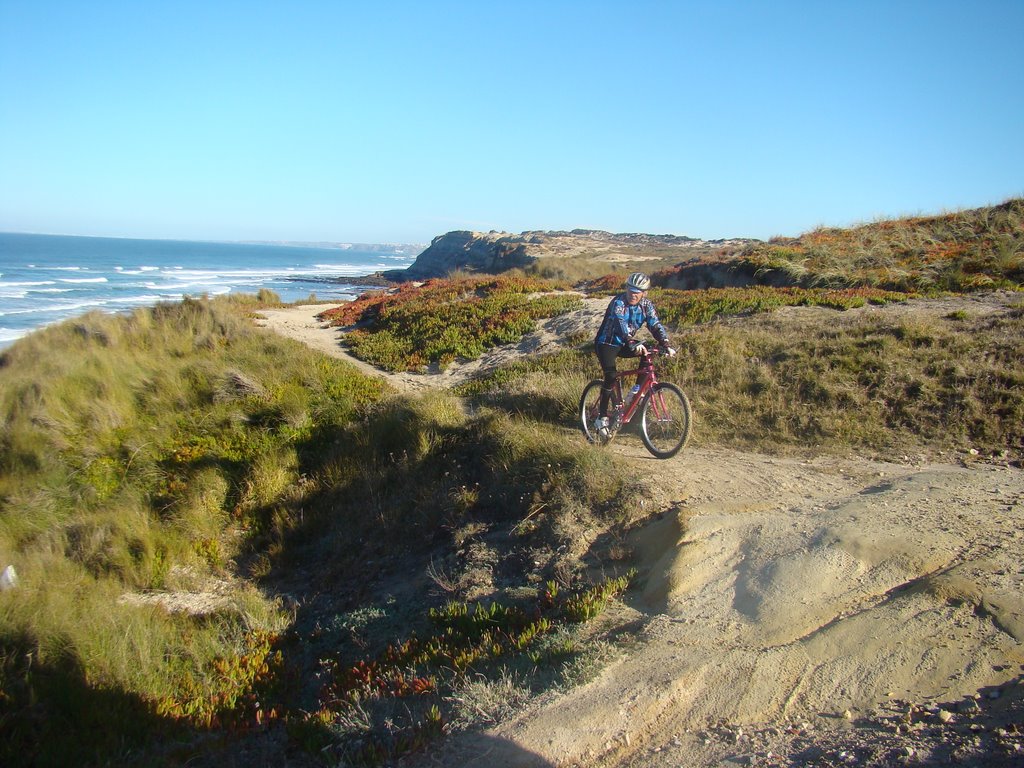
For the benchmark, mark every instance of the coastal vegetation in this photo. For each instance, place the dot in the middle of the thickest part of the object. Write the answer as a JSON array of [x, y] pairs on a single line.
[[959, 251], [219, 532], [446, 319], [140, 455], [925, 382]]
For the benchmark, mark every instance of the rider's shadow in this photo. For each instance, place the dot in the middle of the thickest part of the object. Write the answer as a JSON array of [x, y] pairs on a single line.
[[476, 749]]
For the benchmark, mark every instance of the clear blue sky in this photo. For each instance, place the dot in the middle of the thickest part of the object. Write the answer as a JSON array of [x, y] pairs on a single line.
[[397, 121]]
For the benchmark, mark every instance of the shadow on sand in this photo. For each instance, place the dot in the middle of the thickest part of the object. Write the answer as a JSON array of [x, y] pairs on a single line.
[[478, 750]]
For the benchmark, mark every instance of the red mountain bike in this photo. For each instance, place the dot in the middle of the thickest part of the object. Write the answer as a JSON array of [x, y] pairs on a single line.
[[665, 413]]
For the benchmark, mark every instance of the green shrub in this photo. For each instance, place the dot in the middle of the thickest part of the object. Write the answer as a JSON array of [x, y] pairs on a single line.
[[380, 708], [447, 320], [696, 307]]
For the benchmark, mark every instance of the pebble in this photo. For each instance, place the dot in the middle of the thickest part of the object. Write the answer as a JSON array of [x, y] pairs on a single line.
[[969, 705], [8, 579]]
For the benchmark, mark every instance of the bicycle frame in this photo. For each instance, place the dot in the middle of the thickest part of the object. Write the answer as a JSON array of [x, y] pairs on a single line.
[[646, 378]]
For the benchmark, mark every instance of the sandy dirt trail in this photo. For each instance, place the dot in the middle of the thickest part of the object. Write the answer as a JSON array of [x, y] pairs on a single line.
[[782, 599], [301, 323]]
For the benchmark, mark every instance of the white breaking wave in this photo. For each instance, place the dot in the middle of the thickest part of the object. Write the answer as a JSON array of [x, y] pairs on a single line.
[[74, 276], [107, 303], [171, 286], [22, 293], [345, 270], [146, 299], [62, 308], [227, 274]]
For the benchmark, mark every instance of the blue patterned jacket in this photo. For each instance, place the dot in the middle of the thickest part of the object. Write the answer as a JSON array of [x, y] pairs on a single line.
[[622, 321]]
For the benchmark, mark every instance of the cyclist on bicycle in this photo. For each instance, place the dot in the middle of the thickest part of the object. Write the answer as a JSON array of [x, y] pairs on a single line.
[[626, 314]]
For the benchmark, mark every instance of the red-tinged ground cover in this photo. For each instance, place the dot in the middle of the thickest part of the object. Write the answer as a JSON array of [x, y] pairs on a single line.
[[962, 251]]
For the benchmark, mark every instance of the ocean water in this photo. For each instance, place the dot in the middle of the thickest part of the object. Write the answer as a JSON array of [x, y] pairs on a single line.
[[45, 279]]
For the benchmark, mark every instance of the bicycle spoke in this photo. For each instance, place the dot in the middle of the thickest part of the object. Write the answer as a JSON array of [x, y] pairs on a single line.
[[588, 411], [665, 421]]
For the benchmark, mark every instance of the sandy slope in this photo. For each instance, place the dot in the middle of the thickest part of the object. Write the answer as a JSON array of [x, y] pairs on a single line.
[[779, 591], [784, 600]]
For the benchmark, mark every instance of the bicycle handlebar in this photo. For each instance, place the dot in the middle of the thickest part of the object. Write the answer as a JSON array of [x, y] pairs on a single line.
[[653, 352]]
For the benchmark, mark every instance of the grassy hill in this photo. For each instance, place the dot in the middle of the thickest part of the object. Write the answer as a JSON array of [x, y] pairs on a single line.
[[220, 533], [961, 251]]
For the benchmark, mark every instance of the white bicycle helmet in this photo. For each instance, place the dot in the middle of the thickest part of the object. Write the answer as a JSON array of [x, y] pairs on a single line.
[[638, 282]]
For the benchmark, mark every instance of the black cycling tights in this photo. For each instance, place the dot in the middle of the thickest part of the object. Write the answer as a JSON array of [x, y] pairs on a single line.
[[607, 355]]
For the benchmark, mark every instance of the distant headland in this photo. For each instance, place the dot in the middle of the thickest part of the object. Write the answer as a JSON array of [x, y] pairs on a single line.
[[494, 252]]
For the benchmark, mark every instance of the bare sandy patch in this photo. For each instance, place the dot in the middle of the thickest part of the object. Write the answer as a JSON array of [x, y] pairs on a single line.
[[785, 595]]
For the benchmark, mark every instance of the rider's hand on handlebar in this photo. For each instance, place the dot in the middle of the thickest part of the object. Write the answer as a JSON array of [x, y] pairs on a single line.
[[640, 349], [667, 350]]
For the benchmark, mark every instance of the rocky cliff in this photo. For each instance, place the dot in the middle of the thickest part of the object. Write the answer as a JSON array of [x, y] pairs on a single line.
[[490, 252], [493, 252]]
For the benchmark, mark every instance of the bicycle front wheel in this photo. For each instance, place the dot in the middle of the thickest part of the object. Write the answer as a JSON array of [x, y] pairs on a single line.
[[590, 404], [665, 420]]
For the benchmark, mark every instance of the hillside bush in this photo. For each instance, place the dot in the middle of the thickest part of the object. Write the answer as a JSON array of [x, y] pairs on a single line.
[[419, 476], [868, 383], [677, 308], [420, 467], [961, 251], [138, 453]]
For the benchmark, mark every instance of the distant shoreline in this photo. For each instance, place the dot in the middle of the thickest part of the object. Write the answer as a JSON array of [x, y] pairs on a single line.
[[45, 279], [400, 248]]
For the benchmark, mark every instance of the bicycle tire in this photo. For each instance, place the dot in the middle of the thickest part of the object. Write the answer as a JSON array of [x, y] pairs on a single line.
[[590, 402], [666, 420]]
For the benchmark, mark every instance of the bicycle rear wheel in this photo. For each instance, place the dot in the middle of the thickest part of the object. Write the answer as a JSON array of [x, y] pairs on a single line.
[[665, 420], [590, 404]]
